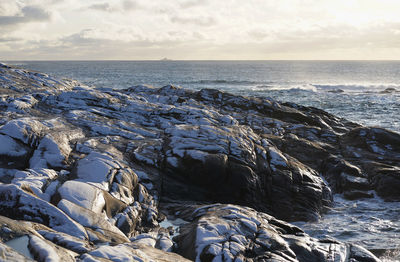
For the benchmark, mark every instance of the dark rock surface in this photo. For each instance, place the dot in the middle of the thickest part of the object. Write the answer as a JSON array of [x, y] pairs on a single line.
[[233, 233], [88, 168]]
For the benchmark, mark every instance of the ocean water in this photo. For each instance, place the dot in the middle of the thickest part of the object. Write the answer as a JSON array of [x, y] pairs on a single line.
[[367, 92]]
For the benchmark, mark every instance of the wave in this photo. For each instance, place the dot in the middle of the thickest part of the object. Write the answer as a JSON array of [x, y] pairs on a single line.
[[264, 86], [305, 87], [224, 82], [359, 88]]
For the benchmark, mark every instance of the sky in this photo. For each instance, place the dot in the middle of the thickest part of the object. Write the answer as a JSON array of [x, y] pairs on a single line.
[[200, 29]]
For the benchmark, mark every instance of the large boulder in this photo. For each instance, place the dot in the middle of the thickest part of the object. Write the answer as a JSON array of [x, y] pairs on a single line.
[[233, 233]]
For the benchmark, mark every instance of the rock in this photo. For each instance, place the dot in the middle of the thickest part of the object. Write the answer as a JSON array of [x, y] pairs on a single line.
[[378, 152], [50, 153], [67, 241], [239, 168], [88, 218], [16, 203], [356, 194], [83, 194], [134, 252], [86, 169], [26, 130], [97, 168], [37, 180], [13, 154], [233, 233], [11, 255], [43, 250], [343, 176]]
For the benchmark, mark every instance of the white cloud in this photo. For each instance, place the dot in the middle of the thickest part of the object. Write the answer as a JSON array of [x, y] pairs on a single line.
[[25, 14], [199, 29]]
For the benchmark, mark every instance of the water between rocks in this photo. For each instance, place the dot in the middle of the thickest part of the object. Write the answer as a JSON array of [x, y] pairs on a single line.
[[371, 223], [20, 244]]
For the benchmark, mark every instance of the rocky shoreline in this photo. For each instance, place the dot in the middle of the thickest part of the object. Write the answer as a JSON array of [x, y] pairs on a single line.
[[169, 174]]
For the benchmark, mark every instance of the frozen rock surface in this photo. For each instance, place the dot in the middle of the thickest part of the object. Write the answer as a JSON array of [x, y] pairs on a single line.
[[85, 173]]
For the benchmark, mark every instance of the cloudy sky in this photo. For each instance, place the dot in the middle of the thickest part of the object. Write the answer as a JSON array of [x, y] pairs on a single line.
[[199, 29]]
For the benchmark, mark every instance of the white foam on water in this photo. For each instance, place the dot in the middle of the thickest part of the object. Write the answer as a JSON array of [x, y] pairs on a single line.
[[371, 223]]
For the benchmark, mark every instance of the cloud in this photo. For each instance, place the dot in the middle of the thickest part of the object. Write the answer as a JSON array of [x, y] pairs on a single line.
[[192, 3], [256, 29], [128, 5], [25, 15], [199, 21], [101, 7], [124, 6], [9, 39]]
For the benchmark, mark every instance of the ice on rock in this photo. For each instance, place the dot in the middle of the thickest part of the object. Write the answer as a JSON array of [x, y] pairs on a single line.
[[83, 194]]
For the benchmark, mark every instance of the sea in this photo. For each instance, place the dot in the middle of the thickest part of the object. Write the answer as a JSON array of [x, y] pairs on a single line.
[[366, 92]]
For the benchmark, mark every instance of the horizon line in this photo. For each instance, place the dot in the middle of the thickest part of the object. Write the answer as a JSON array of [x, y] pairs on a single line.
[[196, 60]]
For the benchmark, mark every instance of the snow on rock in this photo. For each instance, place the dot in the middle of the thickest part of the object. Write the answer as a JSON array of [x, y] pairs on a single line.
[[36, 179], [88, 218], [43, 251], [98, 169], [277, 158], [106, 157], [10, 147], [234, 233], [51, 153], [134, 252], [67, 241], [83, 194], [20, 204], [26, 130]]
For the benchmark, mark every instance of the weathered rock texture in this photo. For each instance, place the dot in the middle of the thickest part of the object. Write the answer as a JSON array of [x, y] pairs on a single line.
[[88, 167]]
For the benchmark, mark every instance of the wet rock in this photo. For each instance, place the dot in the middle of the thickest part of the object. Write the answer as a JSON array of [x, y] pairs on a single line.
[[377, 153], [356, 194], [233, 233], [343, 176]]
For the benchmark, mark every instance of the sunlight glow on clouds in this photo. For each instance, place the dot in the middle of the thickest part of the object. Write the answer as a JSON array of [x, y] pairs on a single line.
[[199, 29]]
